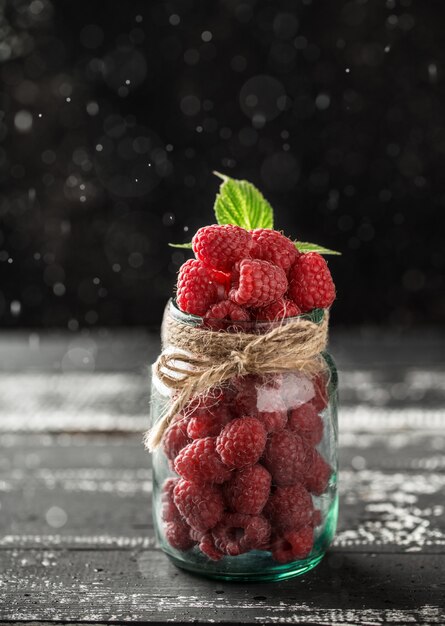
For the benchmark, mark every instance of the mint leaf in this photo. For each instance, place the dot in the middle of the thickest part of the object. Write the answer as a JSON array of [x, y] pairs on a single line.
[[186, 246], [239, 202], [304, 246]]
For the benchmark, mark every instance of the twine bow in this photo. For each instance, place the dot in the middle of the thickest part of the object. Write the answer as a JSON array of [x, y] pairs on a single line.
[[201, 359]]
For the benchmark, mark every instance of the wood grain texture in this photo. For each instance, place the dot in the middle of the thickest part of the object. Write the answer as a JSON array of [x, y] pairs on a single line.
[[136, 586], [76, 536]]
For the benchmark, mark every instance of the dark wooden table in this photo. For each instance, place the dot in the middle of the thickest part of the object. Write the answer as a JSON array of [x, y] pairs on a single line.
[[77, 541]]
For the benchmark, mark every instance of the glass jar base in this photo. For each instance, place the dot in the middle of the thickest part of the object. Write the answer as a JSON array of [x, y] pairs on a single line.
[[278, 572]]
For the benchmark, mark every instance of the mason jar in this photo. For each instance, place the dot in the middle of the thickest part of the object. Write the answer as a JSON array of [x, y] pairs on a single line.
[[245, 476]]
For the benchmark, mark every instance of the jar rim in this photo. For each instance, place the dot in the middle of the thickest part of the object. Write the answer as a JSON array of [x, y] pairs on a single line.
[[315, 315]]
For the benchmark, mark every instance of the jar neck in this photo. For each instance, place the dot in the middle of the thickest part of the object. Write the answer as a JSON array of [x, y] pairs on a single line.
[[253, 326]]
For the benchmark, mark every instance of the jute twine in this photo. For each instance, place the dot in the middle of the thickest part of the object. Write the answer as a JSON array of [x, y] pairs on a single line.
[[199, 359]]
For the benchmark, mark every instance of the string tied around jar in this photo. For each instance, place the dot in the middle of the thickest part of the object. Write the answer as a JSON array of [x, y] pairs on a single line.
[[199, 359]]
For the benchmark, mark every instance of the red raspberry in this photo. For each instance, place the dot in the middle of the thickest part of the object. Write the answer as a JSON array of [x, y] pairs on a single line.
[[177, 535], [241, 442], [170, 511], [208, 423], [199, 287], [257, 283], [310, 282], [318, 474], [271, 245], [248, 490], [321, 397], [207, 547], [219, 314], [292, 545], [237, 533], [260, 397], [286, 457], [175, 437], [289, 508], [220, 247], [278, 310], [201, 506], [305, 421], [199, 462]]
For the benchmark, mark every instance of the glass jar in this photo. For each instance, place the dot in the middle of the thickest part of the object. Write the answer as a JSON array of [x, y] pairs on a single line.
[[245, 478]]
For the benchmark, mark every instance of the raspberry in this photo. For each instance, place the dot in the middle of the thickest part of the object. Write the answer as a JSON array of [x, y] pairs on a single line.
[[177, 535], [170, 511], [289, 508], [198, 287], [271, 245], [286, 457], [260, 397], [321, 398], [292, 545], [220, 247], [318, 474], [175, 437], [201, 506], [241, 442], [310, 282], [199, 462], [237, 533], [278, 310], [207, 547], [219, 314], [248, 490], [208, 423], [257, 283], [305, 421]]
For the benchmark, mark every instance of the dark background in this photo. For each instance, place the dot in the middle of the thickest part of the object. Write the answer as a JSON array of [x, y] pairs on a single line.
[[114, 115]]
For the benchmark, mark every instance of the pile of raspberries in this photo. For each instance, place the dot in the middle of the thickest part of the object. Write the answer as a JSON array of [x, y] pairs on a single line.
[[240, 276], [246, 466]]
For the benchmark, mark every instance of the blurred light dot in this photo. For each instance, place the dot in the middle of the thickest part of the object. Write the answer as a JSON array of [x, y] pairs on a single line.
[[59, 289], [238, 63], [190, 105], [48, 157], [169, 147], [68, 99], [82, 186], [322, 101], [91, 317], [127, 82], [432, 72], [347, 70], [91, 36], [83, 198], [36, 7], [199, 129], [174, 19], [116, 267], [73, 324], [135, 260], [16, 308], [92, 108], [387, 48], [186, 228], [168, 219], [56, 517], [23, 121], [191, 56], [206, 36], [40, 115], [138, 18], [260, 98], [300, 42]]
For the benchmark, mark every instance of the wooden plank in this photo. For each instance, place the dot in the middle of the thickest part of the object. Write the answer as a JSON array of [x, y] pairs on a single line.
[[63, 491], [103, 402], [137, 586]]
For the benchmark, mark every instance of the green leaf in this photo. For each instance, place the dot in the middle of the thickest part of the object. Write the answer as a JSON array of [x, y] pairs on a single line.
[[239, 202], [304, 246], [186, 246]]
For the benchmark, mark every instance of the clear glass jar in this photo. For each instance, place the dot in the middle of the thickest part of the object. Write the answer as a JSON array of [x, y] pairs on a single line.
[[264, 508]]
